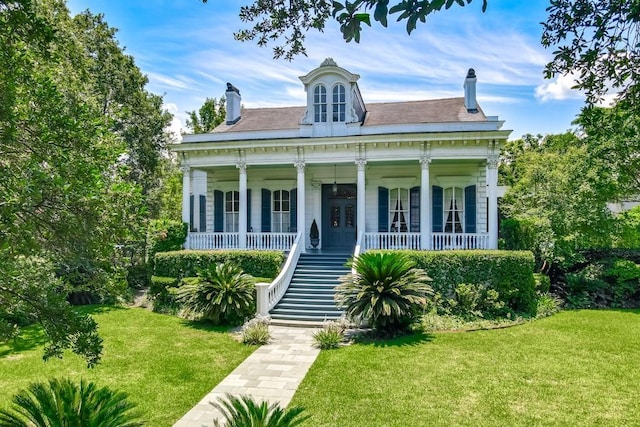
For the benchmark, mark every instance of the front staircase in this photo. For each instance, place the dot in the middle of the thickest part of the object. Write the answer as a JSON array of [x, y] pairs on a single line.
[[309, 297]]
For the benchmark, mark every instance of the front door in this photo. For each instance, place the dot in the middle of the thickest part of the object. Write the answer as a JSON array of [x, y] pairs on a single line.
[[339, 217]]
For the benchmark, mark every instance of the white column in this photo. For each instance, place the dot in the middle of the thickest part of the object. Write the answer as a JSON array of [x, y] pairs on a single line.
[[492, 195], [242, 214], [186, 192], [425, 205], [361, 197], [301, 214]]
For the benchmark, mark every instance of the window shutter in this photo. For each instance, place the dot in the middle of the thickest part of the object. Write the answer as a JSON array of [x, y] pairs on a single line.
[[437, 208], [218, 211], [414, 206], [266, 211], [470, 209], [203, 213], [191, 203], [293, 211], [248, 210], [383, 209]]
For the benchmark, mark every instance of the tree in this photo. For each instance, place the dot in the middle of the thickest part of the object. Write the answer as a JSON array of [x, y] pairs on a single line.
[[597, 42], [291, 20], [210, 115]]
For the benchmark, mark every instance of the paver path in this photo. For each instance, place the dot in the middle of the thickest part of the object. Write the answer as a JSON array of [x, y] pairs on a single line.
[[272, 373]]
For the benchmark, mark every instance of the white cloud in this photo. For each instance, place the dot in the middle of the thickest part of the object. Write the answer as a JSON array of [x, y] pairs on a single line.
[[175, 128], [558, 89]]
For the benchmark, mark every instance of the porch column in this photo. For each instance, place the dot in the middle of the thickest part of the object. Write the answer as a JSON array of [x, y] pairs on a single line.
[[301, 215], [361, 196], [242, 214], [492, 195], [186, 205], [425, 205]]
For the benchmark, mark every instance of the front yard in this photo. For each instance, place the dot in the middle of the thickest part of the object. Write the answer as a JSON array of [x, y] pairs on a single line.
[[575, 368], [165, 364]]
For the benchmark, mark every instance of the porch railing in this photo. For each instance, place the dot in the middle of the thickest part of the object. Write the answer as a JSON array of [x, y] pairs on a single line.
[[391, 241], [268, 294], [439, 241], [275, 241], [443, 241], [212, 240]]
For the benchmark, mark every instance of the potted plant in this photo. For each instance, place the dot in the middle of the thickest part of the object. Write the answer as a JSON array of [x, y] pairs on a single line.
[[314, 234]]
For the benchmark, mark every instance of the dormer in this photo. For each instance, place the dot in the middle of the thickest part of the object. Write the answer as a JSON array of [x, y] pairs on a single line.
[[334, 103]]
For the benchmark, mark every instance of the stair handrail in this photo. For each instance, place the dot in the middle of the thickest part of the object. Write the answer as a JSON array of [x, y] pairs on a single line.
[[357, 251], [268, 294]]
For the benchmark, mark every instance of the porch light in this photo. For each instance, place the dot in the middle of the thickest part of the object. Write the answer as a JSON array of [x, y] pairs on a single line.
[[335, 183]]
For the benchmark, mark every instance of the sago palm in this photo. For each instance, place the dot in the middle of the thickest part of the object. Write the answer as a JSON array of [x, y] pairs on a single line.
[[64, 403], [386, 288], [243, 411], [220, 293]]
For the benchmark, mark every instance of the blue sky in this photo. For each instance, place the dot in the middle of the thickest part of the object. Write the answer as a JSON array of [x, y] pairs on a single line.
[[187, 50]]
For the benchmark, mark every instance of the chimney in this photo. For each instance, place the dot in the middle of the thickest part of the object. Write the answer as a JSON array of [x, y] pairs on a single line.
[[470, 91], [233, 104]]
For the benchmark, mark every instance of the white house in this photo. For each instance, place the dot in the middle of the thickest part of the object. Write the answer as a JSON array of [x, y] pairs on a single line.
[[416, 175]]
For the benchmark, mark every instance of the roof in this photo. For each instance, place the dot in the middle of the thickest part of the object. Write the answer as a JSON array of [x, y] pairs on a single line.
[[448, 110]]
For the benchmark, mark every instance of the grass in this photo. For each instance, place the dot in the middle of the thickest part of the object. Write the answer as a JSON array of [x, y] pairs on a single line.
[[574, 368], [165, 364]]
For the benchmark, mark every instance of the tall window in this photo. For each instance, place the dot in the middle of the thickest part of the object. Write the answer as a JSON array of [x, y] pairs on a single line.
[[399, 210], [453, 210], [280, 214], [319, 104], [339, 103], [231, 211]]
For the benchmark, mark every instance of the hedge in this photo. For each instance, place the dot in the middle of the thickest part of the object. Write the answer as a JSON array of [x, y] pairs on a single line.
[[159, 293], [510, 273], [184, 263]]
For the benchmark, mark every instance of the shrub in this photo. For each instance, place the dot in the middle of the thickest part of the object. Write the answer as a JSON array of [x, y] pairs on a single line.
[[331, 334], [165, 235], [547, 304], [139, 275], [243, 411], [64, 403], [185, 263], [160, 295], [543, 283], [386, 288], [221, 293], [472, 300], [256, 331], [509, 273]]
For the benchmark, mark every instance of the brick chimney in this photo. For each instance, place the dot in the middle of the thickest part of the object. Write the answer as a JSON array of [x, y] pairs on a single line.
[[470, 91], [233, 104]]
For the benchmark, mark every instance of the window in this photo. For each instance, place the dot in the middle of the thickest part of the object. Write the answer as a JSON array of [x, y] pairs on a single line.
[[399, 210], [231, 211], [453, 210], [339, 103], [280, 213], [320, 104]]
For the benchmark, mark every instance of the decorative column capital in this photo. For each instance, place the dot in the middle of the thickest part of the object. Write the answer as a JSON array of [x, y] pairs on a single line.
[[185, 169], [242, 166], [361, 163], [492, 161], [299, 164], [424, 162]]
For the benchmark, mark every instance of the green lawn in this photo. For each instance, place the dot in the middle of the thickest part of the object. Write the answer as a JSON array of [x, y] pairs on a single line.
[[166, 364], [574, 368]]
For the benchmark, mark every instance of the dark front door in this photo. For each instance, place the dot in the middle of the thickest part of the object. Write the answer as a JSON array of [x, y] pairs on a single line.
[[339, 217]]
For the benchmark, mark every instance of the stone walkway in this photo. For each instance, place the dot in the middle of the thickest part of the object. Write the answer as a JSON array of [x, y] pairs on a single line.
[[272, 373]]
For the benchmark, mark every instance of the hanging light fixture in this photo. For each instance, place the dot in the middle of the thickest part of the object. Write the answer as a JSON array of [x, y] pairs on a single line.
[[335, 183]]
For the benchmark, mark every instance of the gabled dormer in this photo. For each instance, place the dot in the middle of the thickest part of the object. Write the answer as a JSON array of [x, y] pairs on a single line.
[[334, 104]]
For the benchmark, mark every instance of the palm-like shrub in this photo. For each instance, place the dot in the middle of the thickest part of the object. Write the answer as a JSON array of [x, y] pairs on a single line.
[[386, 288], [245, 412], [63, 403], [222, 293]]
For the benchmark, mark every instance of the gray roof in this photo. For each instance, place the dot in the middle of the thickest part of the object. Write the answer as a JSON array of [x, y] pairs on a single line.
[[448, 110]]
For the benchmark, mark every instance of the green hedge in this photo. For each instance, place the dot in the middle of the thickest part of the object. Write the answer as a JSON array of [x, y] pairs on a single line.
[[184, 263], [159, 294], [510, 273]]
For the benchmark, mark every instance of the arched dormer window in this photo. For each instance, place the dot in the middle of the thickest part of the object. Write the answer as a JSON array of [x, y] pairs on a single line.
[[339, 103], [320, 104]]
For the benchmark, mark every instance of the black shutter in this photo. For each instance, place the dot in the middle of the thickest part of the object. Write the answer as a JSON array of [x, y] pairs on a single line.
[[414, 212], [248, 210], [437, 209], [203, 213], [470, 209], [191, 224], [266, 211], [383, 209], [293, 211], [218, 211]]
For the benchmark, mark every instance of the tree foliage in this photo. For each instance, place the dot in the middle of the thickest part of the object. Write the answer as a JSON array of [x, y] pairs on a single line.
[[290, 21], [210, 115]]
